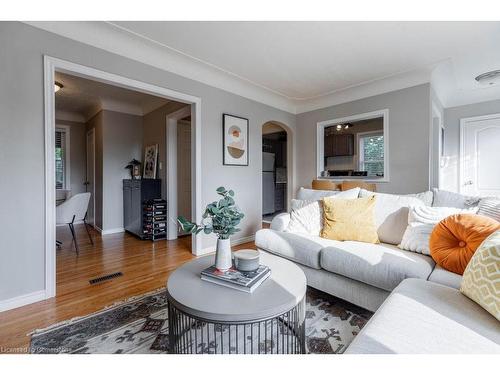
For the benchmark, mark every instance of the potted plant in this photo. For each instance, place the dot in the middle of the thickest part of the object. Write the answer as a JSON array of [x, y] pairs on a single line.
[[222, 218]]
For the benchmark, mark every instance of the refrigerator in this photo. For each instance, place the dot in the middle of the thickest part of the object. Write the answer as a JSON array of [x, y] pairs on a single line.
[[268, 183]]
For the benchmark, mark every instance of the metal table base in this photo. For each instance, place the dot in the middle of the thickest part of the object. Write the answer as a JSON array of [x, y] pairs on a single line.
[[282, 334]]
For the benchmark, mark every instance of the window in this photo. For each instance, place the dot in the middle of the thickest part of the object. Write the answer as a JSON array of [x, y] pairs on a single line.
[[62, 158], [354, 147], [371, 153]]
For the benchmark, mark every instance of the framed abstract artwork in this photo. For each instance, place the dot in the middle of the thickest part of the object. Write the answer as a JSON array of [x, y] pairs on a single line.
[[150, 159], [235, 140]]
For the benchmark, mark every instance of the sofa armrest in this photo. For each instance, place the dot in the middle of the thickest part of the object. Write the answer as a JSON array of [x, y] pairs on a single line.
[[280, 222]]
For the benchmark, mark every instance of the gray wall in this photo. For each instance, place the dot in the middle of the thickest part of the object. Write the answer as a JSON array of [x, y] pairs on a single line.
[[22, 257], [122, 142], [155, 133], [452, 118], [409, 116], [78, 155]]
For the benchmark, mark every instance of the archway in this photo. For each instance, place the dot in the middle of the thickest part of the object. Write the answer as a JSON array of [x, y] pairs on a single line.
[[277, 169]]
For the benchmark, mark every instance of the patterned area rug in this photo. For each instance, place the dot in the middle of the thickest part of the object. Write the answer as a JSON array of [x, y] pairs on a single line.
[[140, 325]]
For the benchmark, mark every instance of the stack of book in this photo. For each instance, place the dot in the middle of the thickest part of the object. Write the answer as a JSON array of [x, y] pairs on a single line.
[[232, 278]]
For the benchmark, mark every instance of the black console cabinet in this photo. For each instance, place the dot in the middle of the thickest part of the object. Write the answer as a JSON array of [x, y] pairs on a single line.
[[135, 192]]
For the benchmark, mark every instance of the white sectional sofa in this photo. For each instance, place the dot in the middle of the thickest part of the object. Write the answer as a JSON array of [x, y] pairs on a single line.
[[425, 300], [358, 272]]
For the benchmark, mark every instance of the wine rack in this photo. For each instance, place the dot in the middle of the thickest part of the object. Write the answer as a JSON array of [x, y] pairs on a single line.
[[154, 220]]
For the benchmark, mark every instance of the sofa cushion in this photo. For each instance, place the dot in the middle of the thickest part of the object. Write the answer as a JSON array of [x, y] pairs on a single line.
[[301, 248], [315, 195], [391, 214], [380, 265], [441, 276], [490, 207], [421, 317], [443, 198], [280, 222]]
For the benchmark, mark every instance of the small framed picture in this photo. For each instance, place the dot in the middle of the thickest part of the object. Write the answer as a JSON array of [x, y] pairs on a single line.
[[235, 140], [150, 159]]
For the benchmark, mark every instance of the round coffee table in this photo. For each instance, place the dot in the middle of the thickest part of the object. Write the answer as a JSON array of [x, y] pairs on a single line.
[[209, 318]]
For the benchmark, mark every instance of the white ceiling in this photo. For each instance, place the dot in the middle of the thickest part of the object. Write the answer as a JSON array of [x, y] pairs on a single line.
[[299, 66], [84, 97]]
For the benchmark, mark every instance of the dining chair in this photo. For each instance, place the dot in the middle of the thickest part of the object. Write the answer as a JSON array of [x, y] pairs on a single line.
[[74, 210]]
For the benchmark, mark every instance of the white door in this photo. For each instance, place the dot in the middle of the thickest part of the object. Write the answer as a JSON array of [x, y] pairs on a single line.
[[480, 156], [90, 186], [184, 169]]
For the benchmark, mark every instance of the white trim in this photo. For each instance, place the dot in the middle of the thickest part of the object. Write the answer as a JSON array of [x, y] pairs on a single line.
[[358, 144], [25, 299], [93, 169], [112, 231], [171, 155], [435, 160], [211, 249], [320, 151], [51, 64], [463, 123], [67, 154]]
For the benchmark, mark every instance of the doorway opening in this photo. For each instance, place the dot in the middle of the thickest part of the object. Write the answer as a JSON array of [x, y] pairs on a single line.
[[98, 170], [275, 170]]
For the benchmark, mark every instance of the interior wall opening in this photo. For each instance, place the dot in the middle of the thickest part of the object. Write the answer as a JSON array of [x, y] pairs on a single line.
[[275, 170]]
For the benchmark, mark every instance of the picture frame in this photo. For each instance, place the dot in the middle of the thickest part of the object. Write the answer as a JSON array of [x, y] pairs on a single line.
[[235, 143], [150, 161]]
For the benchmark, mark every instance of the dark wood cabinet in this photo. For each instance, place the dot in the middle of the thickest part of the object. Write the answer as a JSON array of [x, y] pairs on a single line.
[[339, 145], [135, 192]]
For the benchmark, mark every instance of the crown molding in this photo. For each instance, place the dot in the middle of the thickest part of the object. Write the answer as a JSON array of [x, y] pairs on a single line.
[[108, 37], [115, 39], [70, 116]]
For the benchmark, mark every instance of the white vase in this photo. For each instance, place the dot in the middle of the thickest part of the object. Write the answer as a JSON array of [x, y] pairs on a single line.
[[223, 259]]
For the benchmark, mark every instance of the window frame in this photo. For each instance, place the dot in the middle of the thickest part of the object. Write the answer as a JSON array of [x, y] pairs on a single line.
[[320, 152], [67, 156], [361, 161]]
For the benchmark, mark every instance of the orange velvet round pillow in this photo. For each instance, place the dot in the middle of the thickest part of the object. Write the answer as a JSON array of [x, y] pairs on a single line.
[[455, 239]]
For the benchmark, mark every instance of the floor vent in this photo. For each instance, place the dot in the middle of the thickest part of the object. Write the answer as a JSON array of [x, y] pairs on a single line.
[[101, 279]]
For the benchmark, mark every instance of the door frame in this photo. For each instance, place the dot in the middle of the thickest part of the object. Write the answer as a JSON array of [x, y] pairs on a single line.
[[463, 123], [171, 162], [93, 169], [50, 65]]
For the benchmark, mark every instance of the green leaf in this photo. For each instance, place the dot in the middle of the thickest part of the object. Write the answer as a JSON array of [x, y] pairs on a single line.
[[231, 193]]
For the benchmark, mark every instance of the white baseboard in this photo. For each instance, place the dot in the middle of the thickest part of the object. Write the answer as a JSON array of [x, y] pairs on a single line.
[[111, 231], [239, 241], [26, 299]]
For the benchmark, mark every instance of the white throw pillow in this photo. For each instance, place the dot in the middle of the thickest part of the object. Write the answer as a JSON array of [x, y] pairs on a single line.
[[443, 198], [427, 197], [391, 214], [306, 216], [490, 207], [421, 222], [315, 195]]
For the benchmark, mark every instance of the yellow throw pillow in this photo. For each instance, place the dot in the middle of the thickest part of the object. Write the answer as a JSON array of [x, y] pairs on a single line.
[[349, 219], [481, 280]]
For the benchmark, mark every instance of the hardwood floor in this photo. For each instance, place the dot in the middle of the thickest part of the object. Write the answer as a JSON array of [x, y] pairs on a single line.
[[145, 266]]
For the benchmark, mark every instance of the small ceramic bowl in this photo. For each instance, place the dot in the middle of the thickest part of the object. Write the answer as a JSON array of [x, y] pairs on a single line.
[[246, 260]]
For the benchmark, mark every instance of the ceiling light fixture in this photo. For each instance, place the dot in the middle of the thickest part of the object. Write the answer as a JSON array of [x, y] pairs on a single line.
[[489, 78], [57, 86]]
